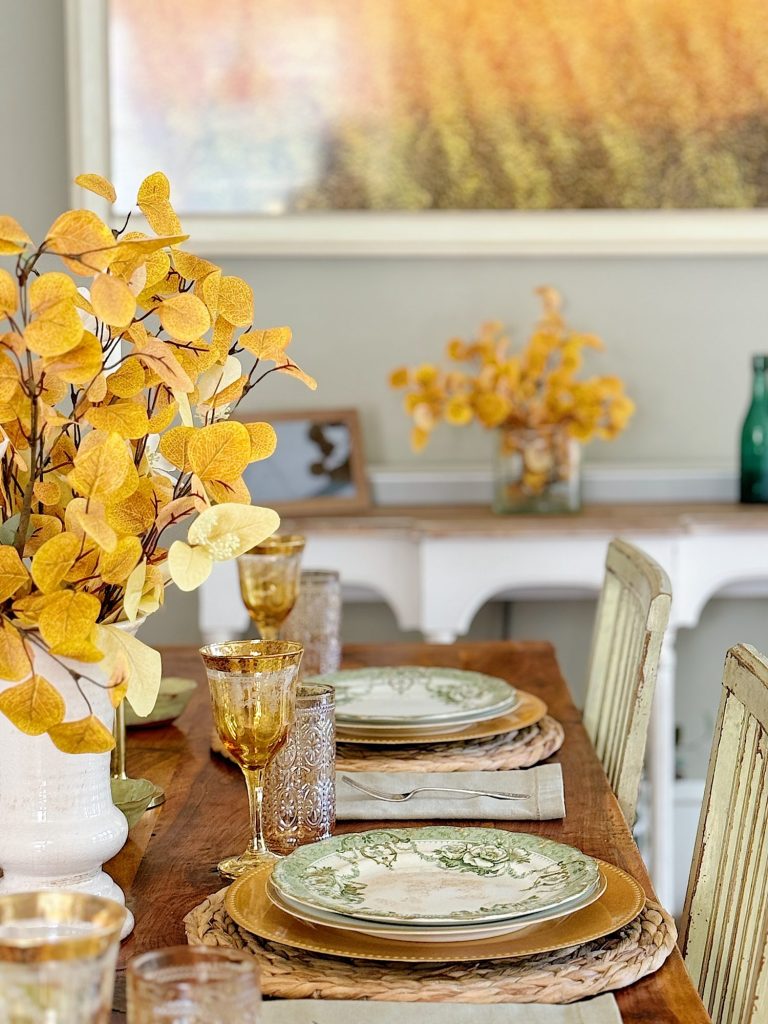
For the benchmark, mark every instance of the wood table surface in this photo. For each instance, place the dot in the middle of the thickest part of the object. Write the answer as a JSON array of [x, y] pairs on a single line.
[[168, 865]]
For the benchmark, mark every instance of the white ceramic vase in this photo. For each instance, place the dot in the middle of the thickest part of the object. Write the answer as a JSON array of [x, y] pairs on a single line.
[[58, 824]]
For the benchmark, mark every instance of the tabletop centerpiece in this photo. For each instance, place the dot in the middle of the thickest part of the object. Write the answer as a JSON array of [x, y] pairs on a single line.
[[541, 410], [119, 366]]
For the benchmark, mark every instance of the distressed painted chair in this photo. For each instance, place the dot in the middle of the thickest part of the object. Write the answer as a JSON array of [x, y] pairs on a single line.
[[724, 933], [632, 615]]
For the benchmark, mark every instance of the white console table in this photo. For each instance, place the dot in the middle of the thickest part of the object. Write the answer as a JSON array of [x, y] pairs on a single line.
[[435, 566]]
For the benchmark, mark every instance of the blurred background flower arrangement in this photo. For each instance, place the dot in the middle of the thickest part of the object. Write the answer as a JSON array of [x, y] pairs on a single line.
[[536, 400]]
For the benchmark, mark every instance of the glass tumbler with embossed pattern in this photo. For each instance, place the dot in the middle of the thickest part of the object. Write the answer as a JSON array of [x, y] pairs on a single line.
[[300, 790], [315, 622], [193, 985]]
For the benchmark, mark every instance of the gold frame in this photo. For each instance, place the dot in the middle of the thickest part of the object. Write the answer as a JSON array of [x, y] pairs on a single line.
[[361, 499]]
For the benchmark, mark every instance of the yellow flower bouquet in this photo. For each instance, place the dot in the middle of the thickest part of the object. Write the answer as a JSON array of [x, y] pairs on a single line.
[[536, 399], [114, 398]]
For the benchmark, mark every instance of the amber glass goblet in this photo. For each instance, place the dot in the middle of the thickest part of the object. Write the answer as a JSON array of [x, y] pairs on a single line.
[[253, 695], [269, 581]]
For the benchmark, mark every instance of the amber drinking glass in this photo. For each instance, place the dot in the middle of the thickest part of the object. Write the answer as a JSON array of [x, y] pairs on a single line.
[[253, 696], [300, 781], [269, 581], [193, 985], [315, 622], [58, 952]]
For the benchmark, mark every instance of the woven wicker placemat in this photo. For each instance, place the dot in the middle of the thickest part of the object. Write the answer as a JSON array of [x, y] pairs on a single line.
[[620, 959], [520, 749]]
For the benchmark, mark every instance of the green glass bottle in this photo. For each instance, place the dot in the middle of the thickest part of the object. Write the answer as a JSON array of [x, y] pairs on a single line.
[[754, 439]]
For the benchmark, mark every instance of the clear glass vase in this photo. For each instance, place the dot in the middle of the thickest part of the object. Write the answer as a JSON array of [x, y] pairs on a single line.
[[536, 471]]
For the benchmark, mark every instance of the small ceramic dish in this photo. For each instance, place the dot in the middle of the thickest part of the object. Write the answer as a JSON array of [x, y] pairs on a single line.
[[174, 695], [132, 796]]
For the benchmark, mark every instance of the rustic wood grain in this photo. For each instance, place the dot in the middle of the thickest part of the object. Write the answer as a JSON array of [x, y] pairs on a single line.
[[205, 817]]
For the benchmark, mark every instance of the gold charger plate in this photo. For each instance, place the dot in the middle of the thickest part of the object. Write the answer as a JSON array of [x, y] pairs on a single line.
[[528, 711], [248, 904]]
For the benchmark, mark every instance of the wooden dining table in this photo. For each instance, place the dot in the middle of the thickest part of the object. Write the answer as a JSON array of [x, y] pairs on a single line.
[[168, 865]]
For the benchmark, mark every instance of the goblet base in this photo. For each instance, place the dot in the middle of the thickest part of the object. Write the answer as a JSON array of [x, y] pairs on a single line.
[[234, 867]]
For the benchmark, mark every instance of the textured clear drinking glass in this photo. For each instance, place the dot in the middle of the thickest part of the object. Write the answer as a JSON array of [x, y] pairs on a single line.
[[253, 698], [193, 985], [58, 952], [315, 622], [269, 581], [300, 780]]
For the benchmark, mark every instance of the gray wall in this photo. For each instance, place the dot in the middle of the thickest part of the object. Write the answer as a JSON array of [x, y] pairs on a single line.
[[679, 330]]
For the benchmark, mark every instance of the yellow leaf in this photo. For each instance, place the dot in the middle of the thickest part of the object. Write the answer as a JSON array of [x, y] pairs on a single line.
[[136, 244], [66, 622], [97, 184], [56, 326], [42, 528], [174, 446], [13, 237], [101, 465], [223, 333], [231, 490], [164, 414], [134, 588], [112, 300], [15, 661], [116, 566], [97, 390], [84, 736], [159, 357], [177, 510], [184, 316], [97, 529], [208, 289], [134, 514], [292, 370], [9, 377], [267, 344], [228, 395], [263, 440], [153, 200], [33, 707], [80, 364], [143, 664], [127, 380], [83, 241], [229, 530], [123, 417], [235, 301], [9, 296], [191, 267], [117, 683], [220, 451], [13, 572], [53, 561], [47, 492], [188, 566]]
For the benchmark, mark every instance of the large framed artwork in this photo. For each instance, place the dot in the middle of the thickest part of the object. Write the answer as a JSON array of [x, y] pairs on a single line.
[[433, 126]]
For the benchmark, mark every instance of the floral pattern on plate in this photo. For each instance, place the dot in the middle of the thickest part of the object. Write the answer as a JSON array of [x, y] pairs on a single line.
[[435, 875]]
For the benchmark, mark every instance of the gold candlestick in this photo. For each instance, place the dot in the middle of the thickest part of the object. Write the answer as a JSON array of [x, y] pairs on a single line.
[[126, 789]]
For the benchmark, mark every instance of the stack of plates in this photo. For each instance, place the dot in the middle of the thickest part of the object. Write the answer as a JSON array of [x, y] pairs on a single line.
[[441, 892], [415, 704]]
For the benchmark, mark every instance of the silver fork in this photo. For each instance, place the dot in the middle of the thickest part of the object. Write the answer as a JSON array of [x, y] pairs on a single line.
[[400, 798]]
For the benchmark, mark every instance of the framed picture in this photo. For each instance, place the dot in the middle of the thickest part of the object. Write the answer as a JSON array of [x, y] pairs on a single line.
[[433, 127], [318, 465]]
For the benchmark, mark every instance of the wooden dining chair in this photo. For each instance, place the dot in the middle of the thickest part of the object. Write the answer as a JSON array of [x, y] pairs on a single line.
[[632, 615], [724, 931]]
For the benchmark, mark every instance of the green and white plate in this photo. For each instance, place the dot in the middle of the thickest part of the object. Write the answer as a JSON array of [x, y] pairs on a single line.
[[429, 933], [418, 695], [439, 875]]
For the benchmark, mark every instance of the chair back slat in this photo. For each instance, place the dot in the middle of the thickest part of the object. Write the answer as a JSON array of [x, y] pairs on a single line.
[[632, 616], [724, 933]]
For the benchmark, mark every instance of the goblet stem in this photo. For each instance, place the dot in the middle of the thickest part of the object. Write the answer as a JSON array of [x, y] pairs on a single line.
[[254, 780], [269, 632]]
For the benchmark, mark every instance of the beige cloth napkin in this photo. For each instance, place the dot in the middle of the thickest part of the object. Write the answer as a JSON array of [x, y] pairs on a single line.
[[601, 1010], [542, 786]]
